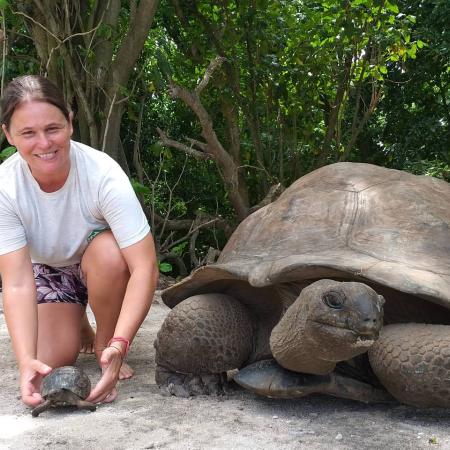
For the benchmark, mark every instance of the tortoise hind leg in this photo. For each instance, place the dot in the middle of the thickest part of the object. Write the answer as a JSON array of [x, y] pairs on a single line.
[[201, 338], [412, 362], [268, 378], [83, 404]]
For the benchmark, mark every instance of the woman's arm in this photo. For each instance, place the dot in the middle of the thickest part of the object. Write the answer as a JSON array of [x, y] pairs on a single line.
[[19, 302], [141, 261]]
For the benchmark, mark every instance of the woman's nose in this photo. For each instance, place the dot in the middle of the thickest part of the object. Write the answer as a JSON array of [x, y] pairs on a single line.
[[43, 141]]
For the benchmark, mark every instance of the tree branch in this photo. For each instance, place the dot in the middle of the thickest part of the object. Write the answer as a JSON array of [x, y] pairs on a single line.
[[167, 142], [213, 65], [228, 169]]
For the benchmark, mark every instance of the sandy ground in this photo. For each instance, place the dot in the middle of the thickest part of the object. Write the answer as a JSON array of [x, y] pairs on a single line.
[[141, 418]]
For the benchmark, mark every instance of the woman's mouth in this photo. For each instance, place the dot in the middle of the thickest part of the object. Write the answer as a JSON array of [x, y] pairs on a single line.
[[46, 156]]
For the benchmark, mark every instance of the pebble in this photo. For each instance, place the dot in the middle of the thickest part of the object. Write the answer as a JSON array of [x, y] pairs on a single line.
[[274, 417], [338, 437]]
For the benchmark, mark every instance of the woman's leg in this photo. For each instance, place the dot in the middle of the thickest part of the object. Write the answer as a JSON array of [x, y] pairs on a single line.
[[106, 275], [59, 333], [87, 336]]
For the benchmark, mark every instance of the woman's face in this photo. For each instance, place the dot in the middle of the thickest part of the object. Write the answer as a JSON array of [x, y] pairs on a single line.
[[41, 134]]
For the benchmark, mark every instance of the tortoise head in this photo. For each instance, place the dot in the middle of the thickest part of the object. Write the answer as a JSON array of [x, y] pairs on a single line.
[[330, 321]]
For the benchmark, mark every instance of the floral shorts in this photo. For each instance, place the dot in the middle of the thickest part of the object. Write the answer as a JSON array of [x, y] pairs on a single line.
[[60, 284]]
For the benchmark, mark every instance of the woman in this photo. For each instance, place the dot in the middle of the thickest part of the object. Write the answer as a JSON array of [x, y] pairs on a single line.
[[70, 227]]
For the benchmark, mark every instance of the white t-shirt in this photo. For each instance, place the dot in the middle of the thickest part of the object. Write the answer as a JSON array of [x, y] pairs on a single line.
[[55, 226]]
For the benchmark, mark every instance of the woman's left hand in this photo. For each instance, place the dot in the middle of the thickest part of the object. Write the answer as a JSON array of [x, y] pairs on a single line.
[[105, 391]]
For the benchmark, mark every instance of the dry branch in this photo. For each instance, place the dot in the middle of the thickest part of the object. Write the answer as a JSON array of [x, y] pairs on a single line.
[[228, 168], [213, 65], [167, 142]]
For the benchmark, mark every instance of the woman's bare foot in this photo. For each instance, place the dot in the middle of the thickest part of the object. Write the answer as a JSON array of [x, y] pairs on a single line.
[[125, 371], [87, 336], [111, 396]]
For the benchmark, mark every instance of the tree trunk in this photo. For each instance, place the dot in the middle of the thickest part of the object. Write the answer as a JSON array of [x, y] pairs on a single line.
[[95, 82]]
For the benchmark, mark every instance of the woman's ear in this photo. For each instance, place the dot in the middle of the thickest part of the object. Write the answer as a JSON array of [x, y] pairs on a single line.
[[8, 136]]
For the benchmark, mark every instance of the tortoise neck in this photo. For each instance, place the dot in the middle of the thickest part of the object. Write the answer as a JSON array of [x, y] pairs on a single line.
[[294, 351]]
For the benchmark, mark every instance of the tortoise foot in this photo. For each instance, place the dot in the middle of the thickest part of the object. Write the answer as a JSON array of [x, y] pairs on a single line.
[[190, 385], [268, 378]]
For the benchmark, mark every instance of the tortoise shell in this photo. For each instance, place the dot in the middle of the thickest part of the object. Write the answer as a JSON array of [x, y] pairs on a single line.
[[67, 378], [345, 221]]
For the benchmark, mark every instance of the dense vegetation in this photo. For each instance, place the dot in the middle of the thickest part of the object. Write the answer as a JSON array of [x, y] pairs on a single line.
[[213, 106]]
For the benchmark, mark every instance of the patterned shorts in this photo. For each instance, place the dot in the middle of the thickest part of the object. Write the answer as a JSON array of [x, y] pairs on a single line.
[[60, 284]]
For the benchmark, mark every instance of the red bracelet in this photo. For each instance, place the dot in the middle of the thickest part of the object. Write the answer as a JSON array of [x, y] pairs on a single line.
[[120, 339]]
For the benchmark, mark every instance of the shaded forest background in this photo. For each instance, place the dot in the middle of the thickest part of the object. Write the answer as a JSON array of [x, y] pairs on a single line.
[[213, 107]]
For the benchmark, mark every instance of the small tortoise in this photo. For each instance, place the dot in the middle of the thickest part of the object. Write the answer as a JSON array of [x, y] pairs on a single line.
[[65, 386], [300, 293]]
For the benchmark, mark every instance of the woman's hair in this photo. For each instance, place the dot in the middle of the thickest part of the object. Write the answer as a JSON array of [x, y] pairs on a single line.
[[30, 88]]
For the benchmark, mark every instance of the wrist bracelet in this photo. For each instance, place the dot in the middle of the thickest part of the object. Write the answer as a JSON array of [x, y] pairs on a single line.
[[118, 349], [124, 341]]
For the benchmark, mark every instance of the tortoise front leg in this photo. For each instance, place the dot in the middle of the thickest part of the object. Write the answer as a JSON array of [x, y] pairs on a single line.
[[41, 408], [201, 338], [268, 378], [412, 361]]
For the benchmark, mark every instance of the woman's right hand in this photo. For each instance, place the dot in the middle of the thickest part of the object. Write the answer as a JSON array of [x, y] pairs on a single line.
[[31, 374]]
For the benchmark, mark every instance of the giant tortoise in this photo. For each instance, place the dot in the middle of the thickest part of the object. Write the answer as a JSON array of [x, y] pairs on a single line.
[[340, 286]]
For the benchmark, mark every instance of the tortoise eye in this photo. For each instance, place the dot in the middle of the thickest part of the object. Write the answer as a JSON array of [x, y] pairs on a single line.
[[334, 299]]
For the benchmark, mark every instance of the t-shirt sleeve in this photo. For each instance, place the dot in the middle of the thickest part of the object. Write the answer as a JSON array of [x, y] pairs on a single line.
[[12, 232], [121, 208]]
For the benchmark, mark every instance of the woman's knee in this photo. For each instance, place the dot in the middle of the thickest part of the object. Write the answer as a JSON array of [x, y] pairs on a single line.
[[103, 255], [59, 333]]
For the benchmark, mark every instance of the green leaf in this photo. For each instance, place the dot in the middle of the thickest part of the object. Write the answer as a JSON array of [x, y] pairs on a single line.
[[391, 7], [139, 188], [7, 152], [3, 4], [165, 267], [178, 249]]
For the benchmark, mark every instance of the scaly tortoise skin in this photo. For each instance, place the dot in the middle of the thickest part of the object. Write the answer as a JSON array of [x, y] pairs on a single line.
[[296, 299], [65, 386]]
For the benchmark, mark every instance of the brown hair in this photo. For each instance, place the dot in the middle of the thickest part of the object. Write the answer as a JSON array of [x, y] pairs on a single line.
[[30, 88]]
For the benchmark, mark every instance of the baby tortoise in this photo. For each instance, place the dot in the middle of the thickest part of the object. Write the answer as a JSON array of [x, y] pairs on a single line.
[[65, 386]]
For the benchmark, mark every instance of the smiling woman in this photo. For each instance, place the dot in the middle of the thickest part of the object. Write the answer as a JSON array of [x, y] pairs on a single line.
[[72, 231], [41, 133]]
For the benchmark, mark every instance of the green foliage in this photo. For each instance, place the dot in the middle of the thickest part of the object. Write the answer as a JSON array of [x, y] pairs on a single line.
[[165, 267], [433, 168], [7, 152], [180, 248], [411, 129], [139, 188], [289, 65]]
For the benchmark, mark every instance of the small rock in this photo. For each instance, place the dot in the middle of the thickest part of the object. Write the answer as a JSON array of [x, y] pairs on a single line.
[[274, 417], [338, 437]]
